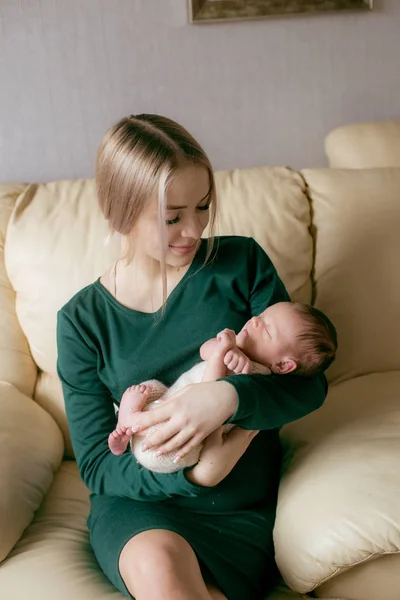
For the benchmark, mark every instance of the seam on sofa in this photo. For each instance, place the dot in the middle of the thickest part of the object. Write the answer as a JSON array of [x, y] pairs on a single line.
[[313, 234], [372, 556], [347, 378]]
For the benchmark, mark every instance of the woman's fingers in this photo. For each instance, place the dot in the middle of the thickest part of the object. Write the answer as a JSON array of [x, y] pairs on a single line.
[[160, 436], [144, 420], [178, 443], [167, 438]]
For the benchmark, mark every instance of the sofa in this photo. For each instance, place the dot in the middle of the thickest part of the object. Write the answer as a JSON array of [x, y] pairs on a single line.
[[334, 236]]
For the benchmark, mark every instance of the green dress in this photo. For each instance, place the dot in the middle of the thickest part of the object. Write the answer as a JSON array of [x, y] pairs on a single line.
[[104, 347]]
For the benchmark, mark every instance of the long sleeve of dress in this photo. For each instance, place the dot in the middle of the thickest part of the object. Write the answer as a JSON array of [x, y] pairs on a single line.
[[91, 418], [269, 402]]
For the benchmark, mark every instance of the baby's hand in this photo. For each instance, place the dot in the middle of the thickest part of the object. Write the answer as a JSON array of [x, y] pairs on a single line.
[[226, 341], [237, 362], [227, 335]]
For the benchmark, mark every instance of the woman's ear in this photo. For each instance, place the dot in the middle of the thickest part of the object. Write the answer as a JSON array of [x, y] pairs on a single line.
[[285, 366]]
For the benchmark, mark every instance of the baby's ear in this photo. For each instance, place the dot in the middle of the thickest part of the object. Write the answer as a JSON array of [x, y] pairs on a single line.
[[285, 366]]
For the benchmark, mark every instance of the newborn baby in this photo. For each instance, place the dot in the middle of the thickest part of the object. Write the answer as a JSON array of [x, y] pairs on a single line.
[[286, 338]]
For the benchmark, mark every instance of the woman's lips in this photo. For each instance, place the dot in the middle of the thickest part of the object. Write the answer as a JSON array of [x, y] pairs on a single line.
[[184, 249]]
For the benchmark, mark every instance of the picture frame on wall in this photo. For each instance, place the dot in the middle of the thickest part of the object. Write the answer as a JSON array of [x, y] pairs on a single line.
[[211, 11]]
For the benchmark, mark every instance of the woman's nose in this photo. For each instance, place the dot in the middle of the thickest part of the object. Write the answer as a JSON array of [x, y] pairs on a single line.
[[192, 229]]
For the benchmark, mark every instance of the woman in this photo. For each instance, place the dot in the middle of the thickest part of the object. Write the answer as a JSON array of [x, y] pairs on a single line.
[[204, 532]]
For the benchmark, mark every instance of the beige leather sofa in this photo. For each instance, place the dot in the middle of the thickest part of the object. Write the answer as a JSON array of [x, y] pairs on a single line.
[[334, 235]]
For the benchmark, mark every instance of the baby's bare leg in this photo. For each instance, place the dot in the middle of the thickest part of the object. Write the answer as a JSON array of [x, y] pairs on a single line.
[[133, 400]]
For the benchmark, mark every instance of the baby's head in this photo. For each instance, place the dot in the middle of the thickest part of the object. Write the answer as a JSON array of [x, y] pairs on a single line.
[[290, 338]]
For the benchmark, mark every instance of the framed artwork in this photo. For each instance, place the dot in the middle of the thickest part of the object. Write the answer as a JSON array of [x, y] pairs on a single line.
[[210, 11]]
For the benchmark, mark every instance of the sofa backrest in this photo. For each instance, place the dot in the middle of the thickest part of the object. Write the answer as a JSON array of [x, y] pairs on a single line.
[[364, 145], [55, 246], [356, 225], [16, 364]]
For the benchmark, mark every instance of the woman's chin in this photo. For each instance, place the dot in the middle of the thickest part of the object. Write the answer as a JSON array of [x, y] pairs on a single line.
[[173, 263], [180, 259]]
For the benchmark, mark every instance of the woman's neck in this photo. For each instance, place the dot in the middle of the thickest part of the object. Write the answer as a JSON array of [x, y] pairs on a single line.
[[139, 282]]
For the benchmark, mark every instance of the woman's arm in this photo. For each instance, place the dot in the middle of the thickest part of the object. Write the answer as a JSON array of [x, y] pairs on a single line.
[[269, 402], [91, 418]]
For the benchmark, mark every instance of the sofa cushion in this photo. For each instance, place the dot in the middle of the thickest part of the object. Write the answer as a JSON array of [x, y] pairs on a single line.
[[369, 580], [270, 205], [54, 558], [55, 246], [339, 495], [356, 216], [16, 364], [31, 450], [364, 145]]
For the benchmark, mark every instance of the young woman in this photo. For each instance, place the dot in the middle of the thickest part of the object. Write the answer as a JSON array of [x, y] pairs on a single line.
[[204, 532]]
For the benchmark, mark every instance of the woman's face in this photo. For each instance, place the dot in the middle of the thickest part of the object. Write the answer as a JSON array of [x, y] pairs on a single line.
[[187, 215]]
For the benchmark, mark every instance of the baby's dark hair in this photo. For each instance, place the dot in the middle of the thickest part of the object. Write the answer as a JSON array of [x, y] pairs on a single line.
[[317, 343]]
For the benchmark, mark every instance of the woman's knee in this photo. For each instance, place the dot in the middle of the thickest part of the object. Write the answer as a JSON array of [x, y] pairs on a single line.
[[215, 593], [150, 548], [165, 553]]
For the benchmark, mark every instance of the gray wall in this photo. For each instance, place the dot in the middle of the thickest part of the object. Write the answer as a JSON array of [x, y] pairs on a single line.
[[253, 93]]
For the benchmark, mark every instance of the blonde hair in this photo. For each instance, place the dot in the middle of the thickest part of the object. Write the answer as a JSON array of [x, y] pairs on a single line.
[[135, 163]]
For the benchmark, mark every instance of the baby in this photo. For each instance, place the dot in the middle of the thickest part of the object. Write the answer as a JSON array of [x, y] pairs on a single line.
[[286, 338]]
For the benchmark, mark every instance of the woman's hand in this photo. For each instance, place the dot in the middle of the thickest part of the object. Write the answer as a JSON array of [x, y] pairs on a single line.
[[220, 453], [190, 416]]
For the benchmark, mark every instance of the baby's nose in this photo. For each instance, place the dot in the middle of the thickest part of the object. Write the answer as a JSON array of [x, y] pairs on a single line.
[[256, 321]]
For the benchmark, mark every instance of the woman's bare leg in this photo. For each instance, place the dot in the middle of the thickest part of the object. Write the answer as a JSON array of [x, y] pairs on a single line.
[[161, 565], [215, 594]]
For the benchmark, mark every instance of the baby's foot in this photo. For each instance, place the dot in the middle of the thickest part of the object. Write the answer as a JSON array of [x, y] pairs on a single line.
[[118, 440], [132, 401]]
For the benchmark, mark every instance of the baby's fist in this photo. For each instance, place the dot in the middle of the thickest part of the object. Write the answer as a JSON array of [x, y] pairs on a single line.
[[226, 339], [237, 362]]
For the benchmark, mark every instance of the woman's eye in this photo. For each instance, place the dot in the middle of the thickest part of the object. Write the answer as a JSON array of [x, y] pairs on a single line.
[[172, 221], [205, 207]]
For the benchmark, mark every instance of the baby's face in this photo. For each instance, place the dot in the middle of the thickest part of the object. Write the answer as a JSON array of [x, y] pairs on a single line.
[[270, 338]]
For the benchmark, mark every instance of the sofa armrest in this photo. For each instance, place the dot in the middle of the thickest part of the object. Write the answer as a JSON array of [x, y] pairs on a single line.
[[339, 494], [31, 450]]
